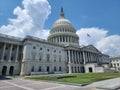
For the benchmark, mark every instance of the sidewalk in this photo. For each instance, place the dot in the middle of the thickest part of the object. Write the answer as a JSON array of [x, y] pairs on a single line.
[[111, 84]]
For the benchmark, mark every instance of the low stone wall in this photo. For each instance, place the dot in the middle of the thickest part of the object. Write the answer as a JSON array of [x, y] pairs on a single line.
[[38, 73]]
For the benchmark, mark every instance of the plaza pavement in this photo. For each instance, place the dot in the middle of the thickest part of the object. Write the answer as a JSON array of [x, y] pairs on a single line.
[[23, 84]]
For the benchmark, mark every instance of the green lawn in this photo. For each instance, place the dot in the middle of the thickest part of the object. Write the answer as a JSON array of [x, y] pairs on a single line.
[[77, 78]]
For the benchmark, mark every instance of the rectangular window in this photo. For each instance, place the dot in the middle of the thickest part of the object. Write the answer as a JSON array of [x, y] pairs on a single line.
[[55, 68], [34, 47], [39, 68], [59, 68]]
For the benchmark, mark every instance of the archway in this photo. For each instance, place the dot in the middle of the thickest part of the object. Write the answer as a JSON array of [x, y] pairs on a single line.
[[4, 70], [90, 69], [11, 70]]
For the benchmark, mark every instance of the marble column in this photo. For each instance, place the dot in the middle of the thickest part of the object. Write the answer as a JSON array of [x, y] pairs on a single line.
[[69, 62], [10, 54], [78, 54], [71, 56], [17, 52], [84, 57], [68, 39], [75, 56], [3, 53]]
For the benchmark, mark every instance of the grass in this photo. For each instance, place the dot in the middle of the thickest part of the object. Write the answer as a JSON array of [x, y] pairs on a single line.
[[77, 78]]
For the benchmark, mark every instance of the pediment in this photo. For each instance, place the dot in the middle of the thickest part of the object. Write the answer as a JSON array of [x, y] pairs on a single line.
[[91, 48]]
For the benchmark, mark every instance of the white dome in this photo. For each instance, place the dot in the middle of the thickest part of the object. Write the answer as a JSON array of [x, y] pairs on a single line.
[[62, 21], [63, 31]]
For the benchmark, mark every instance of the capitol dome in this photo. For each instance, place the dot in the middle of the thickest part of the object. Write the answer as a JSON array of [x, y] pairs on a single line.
[[63, 31]]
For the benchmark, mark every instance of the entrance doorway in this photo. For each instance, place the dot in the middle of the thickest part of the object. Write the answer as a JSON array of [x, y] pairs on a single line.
[[11, 70], [4, 70], [90, 69]]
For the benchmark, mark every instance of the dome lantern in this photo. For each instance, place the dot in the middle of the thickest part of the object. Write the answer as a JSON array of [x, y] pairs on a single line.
[[62, 13]]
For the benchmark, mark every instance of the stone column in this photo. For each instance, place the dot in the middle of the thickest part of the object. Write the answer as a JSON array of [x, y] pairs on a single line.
[[88, 57], [64, 38], [78, 54], [71, 56], [10, 52], [3, 53], [84, 57], [16, 58], [68, 39], [75, 57], [69, 62]]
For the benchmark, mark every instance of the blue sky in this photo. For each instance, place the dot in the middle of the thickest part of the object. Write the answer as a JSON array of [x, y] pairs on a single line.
[[82, 13], [98, 18], [88, 13]]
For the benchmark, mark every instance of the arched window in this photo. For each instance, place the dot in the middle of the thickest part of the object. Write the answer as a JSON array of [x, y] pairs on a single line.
[[11, 71], [4, 70]]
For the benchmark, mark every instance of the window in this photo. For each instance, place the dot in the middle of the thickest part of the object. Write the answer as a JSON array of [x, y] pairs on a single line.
[[59, 51], [40, 58], [117, 64], [5, 57], [39, 68], [34, 47], [40, 48], [54, 58], [48, 69], [32, 70], [59, 68], [48, 50], [13, 49], [54, 50], [12, 58], [6, 48], [55, 68], [48, 57]]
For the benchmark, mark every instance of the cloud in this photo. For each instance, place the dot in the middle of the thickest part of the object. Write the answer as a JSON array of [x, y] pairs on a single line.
[[30, 19], [100, 39], [110, 45]]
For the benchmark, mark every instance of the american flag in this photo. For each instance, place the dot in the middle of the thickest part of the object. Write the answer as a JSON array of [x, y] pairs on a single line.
[[88, 35]]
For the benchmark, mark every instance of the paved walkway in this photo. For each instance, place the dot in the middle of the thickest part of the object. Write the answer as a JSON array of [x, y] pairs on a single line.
[[111, 84], [23, 84]]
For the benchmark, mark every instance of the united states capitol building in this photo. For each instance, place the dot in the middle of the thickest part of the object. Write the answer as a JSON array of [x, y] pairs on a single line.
[[60, 53]]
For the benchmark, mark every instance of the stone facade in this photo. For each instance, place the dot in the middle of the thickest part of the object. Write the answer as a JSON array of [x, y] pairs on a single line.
[[60, 53], [115, 62]]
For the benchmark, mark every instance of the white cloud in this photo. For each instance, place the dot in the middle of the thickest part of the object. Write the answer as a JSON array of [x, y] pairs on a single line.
[[30, 19], [100, 39], [110, 45]]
